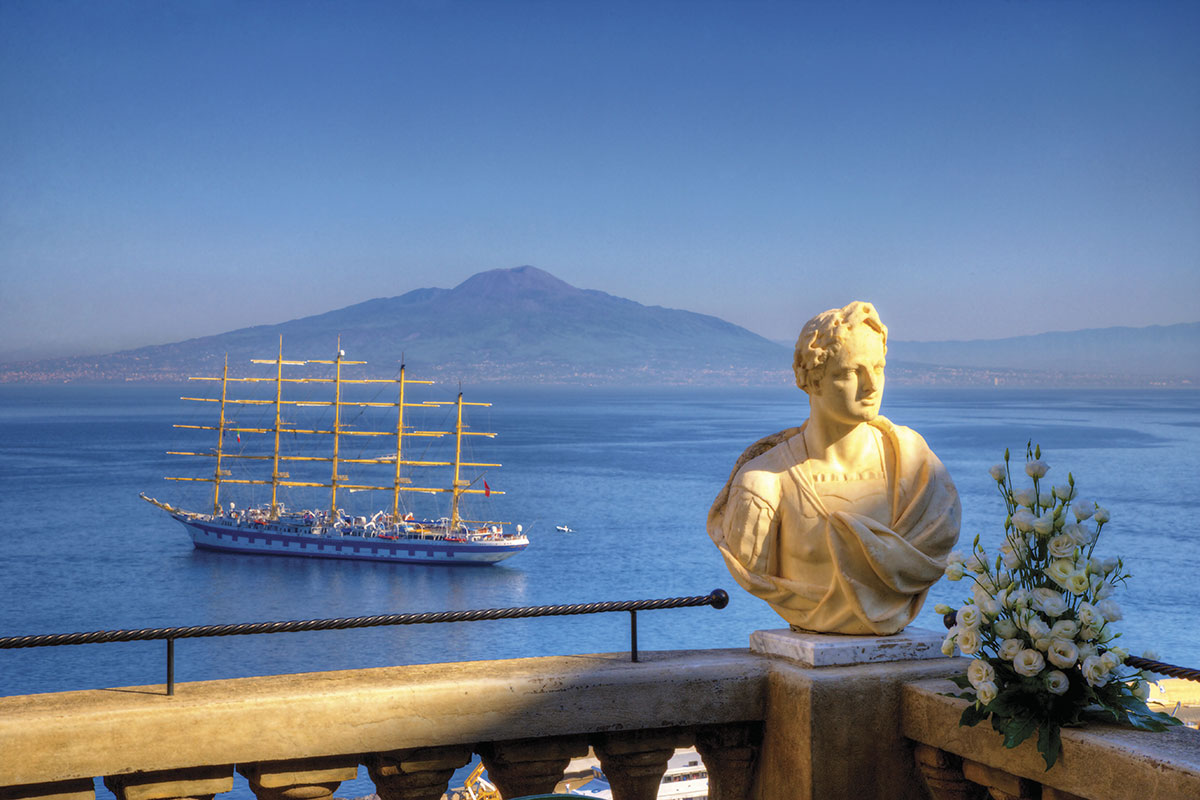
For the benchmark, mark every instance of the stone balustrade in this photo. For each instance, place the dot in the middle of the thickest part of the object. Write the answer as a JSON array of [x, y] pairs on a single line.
[[1098, 762], [766, 724]]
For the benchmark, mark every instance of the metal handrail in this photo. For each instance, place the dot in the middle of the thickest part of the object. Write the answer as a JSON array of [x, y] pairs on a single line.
[[717, 598]]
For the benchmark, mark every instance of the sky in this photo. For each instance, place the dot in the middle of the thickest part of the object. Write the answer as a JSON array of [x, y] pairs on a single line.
[[977, 170]]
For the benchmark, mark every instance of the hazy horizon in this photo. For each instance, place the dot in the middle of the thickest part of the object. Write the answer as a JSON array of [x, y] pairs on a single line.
[[982, 171]]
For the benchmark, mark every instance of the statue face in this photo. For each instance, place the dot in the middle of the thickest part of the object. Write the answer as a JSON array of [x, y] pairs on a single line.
[[851, 390]]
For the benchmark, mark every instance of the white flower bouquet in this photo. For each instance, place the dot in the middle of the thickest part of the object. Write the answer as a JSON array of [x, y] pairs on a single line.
[[1038, 626]]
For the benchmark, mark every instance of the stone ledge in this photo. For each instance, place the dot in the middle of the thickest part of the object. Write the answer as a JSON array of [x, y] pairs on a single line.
[[1100, 762], [832, 650], [54, 737]]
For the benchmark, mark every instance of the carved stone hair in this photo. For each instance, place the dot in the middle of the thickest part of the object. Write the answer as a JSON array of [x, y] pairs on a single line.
[[823, 335]]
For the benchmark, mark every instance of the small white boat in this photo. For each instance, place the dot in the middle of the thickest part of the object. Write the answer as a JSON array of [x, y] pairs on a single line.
[[686, 778], [564, 529]]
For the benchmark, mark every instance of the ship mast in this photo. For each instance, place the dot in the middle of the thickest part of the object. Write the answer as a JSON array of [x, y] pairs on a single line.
[[457, 485], [220, 441], [337, 430]]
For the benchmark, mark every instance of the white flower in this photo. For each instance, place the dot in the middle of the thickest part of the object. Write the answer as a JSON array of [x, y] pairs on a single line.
[[1044, 525], [1009, 649], [1109, 564], [942, 609], [1094, 671], [1065, 629], [1087, 634], [1036, 627], [1150, 654], [1062, 546], [1111, 660], [969, 642], [1036, 469], [955, 557], [1057, 682], [1018, 598], [986, 692], [975, 564], [1077, 582], [1101, 515], [1064, 492], [955, 571], [1049, 602], [1028, 663], [1077, 533], [1060, 570], [968, 618], [1062, 653], [997, 472], [1086, 649], [1083, 509], [1046, 498], [1120, 652], [948, 642], [1109, 610], [1005, 628], [1102, 590], [1140, 689], [1024, 497], [1088, 616], [1012, 557], [980, 671]]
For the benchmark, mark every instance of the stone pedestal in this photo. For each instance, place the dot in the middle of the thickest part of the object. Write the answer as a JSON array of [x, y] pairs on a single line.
[[833, 721], [833, 650]]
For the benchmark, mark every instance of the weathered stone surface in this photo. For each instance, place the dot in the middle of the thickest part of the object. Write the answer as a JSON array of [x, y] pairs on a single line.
[[831, 649], [420, 773], [62, 790], [835, 731], [54, 737], [300, 778], [634, 761], [730, 754], [1100, 762], [198, 782], [530, 766]]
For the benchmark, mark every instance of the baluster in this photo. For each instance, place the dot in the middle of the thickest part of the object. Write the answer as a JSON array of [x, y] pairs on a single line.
[[172, 784], [634, 762], [299, 779], [730, 754], [79, 789], [529, 766], [943, 775], [1001, 785], [420, 773]]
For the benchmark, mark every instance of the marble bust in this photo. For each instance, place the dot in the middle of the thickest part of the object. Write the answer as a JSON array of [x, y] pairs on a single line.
[[843, 524]]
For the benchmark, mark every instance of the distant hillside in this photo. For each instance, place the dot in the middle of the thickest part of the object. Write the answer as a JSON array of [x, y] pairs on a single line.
[[524, 325], [507, 325], [1155, 354]]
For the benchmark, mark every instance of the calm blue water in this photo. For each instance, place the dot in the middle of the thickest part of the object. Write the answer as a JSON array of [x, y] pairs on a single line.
[[633, 471]]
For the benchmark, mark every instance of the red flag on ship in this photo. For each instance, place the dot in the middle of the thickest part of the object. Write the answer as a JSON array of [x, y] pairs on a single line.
[[487, 490]]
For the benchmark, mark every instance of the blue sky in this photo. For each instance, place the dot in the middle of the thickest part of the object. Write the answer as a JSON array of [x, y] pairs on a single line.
[[977, 170]]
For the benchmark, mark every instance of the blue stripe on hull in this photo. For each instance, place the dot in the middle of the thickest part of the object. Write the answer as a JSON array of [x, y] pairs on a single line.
[[243, 540]]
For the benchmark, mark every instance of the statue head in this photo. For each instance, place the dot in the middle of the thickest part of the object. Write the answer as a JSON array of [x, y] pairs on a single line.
[[825, 334]]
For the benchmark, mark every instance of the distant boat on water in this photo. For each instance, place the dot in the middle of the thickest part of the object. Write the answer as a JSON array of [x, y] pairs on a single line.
[[393, 535]]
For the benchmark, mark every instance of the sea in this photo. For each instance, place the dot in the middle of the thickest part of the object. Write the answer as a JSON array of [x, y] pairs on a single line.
[[631, 471]]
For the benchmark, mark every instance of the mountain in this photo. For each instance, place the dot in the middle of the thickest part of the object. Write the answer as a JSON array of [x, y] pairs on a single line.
[[524, 325], [1167, 354], [507, 325]]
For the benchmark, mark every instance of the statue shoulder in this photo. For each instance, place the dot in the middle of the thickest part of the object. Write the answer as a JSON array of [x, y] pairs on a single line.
[[763, 461], [908, 439]]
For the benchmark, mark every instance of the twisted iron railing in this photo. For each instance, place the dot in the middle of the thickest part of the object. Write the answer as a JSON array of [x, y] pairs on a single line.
[[717, 598]]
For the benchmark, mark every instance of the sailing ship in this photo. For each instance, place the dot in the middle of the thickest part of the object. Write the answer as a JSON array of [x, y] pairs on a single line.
[[393, 535]]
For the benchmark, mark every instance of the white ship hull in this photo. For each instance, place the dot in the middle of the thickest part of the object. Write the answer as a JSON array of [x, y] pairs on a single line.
[[293, 540]]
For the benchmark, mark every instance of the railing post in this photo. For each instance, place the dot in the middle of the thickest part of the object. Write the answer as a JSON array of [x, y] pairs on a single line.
[[633, 650], [170, 667]]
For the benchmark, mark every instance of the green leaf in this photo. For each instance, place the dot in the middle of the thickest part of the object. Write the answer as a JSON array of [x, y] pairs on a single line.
[[1018, 730], [961, 681], [972, 716], [1049, 742]]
